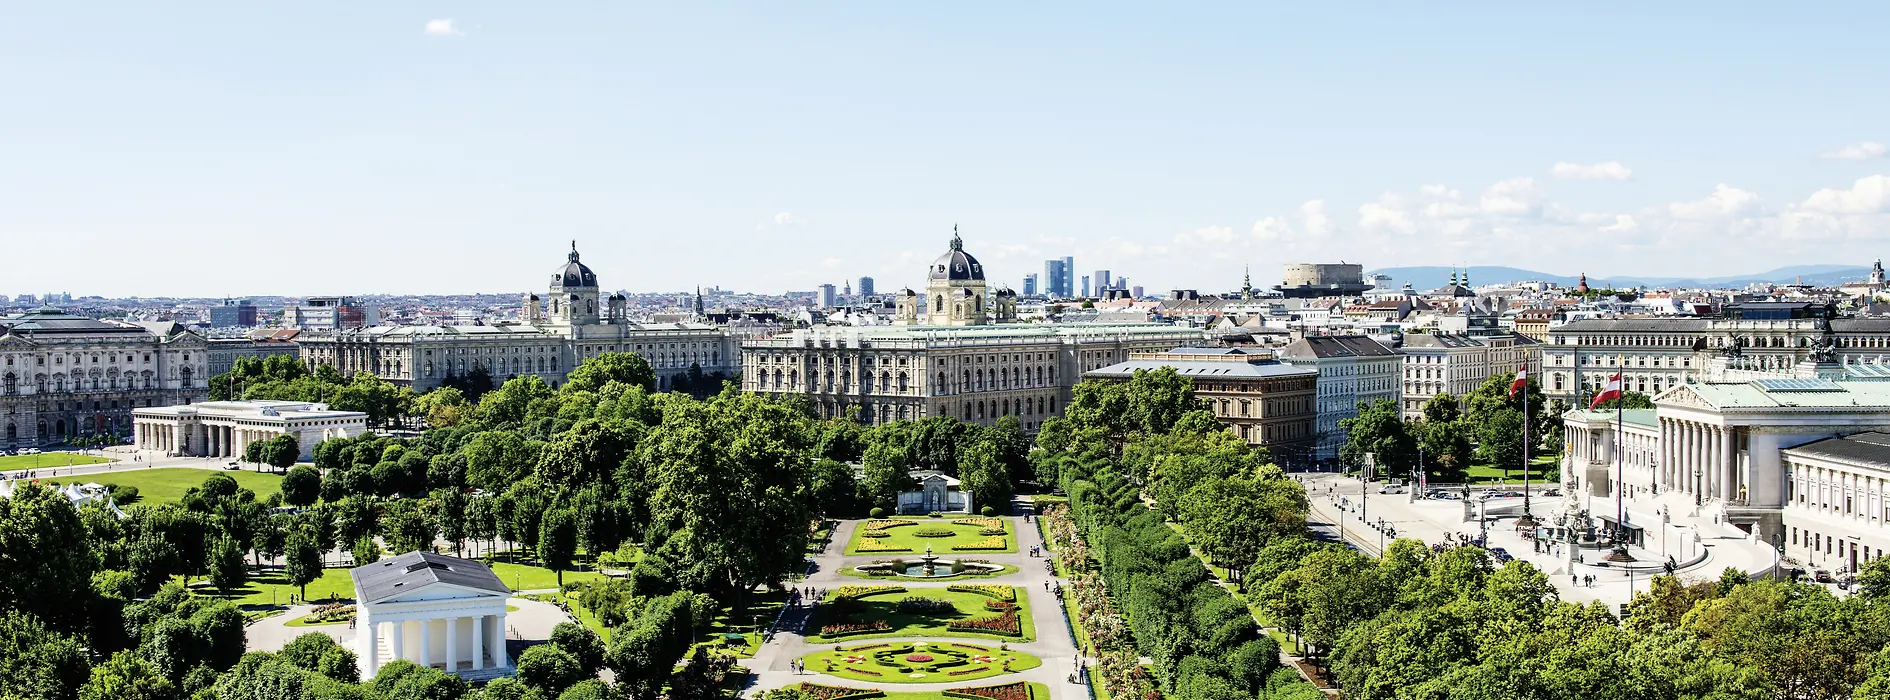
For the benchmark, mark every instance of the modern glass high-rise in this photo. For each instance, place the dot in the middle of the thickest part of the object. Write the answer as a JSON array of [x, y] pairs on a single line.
[[1030, 284], [1086, 285], [826, 296], [1059, 277], [866, 286], [1101, 279]]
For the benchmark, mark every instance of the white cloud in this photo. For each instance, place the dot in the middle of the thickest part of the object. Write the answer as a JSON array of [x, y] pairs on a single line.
[[1318, 223], [1726, 202], [1623, 223], [1862, 150], [1271, 229], [1610, 170], [787, 219], [831, 263], [1517, 196], [1869, 195], [442, 27]]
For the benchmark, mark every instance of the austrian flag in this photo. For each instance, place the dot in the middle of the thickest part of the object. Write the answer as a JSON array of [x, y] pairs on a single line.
[[1522, 380], [1611, 391]]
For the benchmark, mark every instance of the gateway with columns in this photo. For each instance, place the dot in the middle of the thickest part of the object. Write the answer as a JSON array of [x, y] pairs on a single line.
[[225, 428], [433, 610]]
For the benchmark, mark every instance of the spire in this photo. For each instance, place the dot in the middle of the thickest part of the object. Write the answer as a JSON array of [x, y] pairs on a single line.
[[957, 243], [1246, 283], [1453, 275], [1466, 276]]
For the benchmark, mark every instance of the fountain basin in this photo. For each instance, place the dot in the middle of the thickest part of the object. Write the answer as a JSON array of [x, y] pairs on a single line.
[[929, 568]]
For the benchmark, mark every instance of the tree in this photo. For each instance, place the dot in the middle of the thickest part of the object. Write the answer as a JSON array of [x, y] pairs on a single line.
[[1232, 519], [1446, 446], [832, 489], [887, 472], [126, 676], [984, 475], [281, 451], [1629, 400], [443, 407], [644, 654], [557, 544], [548, 669], [1378, 430], [304, 563], [582, 644], [253, 452], [302, 486], [1499, 439], [226, 566], [37, 661], [408, 527], [1013, 448], [44, 557], [365, 551], [601, 369]]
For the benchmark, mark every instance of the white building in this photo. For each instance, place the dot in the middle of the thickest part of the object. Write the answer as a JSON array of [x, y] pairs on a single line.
[[433, 610], [937, 493], [1442, 363], [226, 428], [1352, 369]]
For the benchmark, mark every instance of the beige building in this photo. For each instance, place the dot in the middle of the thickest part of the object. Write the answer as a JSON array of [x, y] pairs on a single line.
[[1267, 402], [64, 376], [1448, 363], [558, 332], [966, 360], [226, 428]]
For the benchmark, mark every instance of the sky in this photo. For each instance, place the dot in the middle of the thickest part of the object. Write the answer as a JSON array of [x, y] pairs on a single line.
[[244, 148]]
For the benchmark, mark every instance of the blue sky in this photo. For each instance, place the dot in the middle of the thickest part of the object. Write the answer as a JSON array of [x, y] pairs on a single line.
[[304, 148]]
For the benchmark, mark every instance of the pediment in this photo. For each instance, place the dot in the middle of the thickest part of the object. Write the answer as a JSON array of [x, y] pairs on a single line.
[[1683, 395], [13, 341], [442, 592]]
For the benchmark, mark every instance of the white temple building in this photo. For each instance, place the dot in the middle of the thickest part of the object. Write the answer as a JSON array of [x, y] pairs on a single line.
[[225, 428], [433, 610]]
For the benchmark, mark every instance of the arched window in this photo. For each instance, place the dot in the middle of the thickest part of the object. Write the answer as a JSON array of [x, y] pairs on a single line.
[[938, 304], [939, 388], [902, 382], [980, 410], [967, 410], [12, 385]]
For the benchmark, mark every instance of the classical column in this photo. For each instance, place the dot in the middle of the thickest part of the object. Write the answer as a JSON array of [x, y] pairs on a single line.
[[397, 631], [498, 642], [372, 650], [1729, 460], [478, 642], [426, 643], [452, 661]]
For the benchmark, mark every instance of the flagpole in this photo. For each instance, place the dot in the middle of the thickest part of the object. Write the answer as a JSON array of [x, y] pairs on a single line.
[[1620, 553], [1528, 519]]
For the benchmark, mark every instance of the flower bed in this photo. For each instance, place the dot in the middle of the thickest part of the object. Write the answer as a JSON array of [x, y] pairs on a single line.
[[988, 590], [1006, 624], [992, 531], [872, 545], [919, 658], [846, 628], [962, 645], [934, 532], [829, 692], [883, 523], [332, 612], [967, 671], [985, 523], [999, 605], [987, 543], [1009, 691], [845, 592], [926, 606]]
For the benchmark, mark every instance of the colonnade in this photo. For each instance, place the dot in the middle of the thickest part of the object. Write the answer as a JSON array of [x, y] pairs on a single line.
[[1700, 458], [198, 439], [434, 641]]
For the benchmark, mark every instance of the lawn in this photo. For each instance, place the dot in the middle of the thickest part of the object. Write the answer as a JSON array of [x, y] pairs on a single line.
[[48, 460], [905, 538], [919, 662], [1543, 469], [1038, 691], [963, 575], [272, 588], [167, 485], [884, 607], [762, 610]]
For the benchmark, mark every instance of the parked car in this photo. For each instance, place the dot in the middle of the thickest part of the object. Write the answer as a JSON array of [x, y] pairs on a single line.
[[1552, 492], [1393, 487], [1502, 555], [1824, 576]]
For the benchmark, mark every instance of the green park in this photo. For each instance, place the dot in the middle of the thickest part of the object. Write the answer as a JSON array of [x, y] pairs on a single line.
[[919, 662], [168, 484], [48, 460], [889, 610], [957, 536]]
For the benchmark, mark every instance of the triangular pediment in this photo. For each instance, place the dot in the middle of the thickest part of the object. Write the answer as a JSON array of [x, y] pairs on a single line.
[[442, 591], [1682, 395], [13, 341]]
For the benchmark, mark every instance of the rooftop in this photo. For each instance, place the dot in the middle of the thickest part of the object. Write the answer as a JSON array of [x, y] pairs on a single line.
[[1325, 346], [1785, 393], [1213, 369], [391, 577], [1870, 449]]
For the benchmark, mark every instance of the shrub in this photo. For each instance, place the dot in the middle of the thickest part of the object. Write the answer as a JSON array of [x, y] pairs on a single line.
[[987, 510], [985, 523], [1019, 690], [934, 514], [992, 531], [871, 545], [876, 512], [999, 605], [875, 533], [933, 532], [851, 592], [919, 605], [846, 628], [828, 692]]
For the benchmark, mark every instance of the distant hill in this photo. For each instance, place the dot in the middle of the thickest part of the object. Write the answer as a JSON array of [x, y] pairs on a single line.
[[1431, 277]]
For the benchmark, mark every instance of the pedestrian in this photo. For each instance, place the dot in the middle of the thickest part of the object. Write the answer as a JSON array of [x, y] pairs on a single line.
[[1571, 579]]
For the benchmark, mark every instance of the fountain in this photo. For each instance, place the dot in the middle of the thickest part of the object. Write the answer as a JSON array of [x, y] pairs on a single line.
[[929, 558]]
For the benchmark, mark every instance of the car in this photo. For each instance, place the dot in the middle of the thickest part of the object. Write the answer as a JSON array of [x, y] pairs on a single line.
[[1552, 492], [1824, 576], [1391, 488], [1502, 555]]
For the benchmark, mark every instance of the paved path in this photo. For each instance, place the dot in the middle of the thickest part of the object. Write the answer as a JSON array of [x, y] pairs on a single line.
[[771, 663]]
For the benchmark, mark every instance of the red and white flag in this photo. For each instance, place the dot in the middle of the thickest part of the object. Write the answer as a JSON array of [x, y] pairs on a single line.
[[1611, 391], [1522, 380]]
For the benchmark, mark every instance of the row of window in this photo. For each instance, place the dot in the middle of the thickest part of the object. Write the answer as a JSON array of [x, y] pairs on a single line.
[[79, 359]]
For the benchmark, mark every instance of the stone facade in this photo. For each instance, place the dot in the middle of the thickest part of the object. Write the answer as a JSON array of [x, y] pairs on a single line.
[[1353, 369], [226, 428], [63, 375], [1266, 402], [558, 332], [1448, 363], [1655, 354]]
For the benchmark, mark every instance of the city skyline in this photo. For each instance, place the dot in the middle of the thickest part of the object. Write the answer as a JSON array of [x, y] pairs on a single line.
[[406, 150]]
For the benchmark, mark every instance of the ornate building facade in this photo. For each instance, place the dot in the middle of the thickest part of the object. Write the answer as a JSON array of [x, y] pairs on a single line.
[[64, 376], [966, 359], [569, 324]]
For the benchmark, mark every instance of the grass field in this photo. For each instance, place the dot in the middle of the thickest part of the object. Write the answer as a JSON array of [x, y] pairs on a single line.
[[272, 588], [1008, 569], [895, 662], [885, 606], [1543, 470], [904, 539], [48, 460], [167, 485], [1038, 691]]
